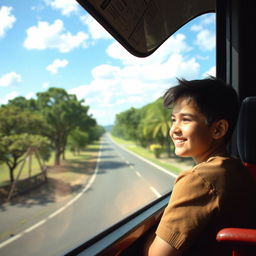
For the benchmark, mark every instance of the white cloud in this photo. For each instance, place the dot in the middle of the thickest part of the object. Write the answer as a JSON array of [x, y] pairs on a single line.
[[137, 81], [210, 72], [206, 40], [54, 67], [9, 96], [204, 21], [175, 65], [105, 71], [95, 29], [175, 44], [196, 27], [65, 6], [53, 36], [30, 95], [112, 93], [7, 19], [46, 85], [208, 19], [135, 100], [10, 79]]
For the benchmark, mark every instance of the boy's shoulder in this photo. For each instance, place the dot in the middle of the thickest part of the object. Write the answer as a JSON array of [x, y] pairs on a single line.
[[218, 165], [218, 171]]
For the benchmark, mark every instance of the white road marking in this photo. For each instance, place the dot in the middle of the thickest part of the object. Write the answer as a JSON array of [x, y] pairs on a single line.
[[11, 240], [138, 173], [155, 192], [58, 211], [38, 224], [145, 160]]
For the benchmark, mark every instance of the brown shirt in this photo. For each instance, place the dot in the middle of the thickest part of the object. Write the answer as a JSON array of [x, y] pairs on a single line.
[[213, 195]]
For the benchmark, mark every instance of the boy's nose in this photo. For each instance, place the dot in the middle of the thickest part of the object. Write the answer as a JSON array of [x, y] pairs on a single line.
[[175, 129]]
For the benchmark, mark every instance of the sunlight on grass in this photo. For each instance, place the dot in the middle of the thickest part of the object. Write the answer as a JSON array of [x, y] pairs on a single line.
[[71, 160], [22, 170]]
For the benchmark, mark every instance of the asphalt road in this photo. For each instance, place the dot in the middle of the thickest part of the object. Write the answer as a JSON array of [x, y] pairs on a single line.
[[121, 184]]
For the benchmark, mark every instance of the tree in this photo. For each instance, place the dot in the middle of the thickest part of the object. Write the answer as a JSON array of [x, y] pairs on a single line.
[[14, 147], [14, 138], [126, 124], [23, 104], [157, 122], [14, 120], [77, 140], [95, 132], [63, 113]]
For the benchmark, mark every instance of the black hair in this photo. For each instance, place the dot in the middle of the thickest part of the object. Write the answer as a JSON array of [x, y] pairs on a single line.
[[213, 97]]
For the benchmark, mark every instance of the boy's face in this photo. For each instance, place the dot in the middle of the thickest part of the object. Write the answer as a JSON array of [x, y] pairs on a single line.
[[190, 133]]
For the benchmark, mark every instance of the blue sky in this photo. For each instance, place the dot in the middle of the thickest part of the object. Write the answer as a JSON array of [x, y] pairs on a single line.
[[55, 43]]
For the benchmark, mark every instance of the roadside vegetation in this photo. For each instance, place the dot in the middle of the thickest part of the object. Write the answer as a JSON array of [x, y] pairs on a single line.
[[73, 165], [145, 131], [51, 124], [62, 180], [56, 127], [146, 126], [172, 164]]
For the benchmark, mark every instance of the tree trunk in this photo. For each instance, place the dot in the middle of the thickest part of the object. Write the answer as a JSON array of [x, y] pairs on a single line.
[[57, 156], [63, 148], [12, 174], [12, 167], [167, 144]]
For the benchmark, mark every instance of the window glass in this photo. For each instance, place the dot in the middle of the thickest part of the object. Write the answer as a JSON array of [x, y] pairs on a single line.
[[83, 134]]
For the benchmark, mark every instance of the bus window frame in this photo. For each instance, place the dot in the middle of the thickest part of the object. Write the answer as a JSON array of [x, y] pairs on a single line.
[[234, 64]]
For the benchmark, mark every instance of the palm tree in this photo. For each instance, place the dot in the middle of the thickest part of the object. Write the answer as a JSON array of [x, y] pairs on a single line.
[[157, 124]]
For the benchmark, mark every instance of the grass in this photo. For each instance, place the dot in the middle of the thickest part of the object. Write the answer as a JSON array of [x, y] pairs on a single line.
[[131, 145], [74, 164], [24, 171], [72, 161]]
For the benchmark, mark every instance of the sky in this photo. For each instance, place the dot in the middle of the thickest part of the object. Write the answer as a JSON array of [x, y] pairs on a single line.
[[56, 43]]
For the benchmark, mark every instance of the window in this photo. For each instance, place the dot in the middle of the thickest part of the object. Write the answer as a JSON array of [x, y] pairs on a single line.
[[63, 80]]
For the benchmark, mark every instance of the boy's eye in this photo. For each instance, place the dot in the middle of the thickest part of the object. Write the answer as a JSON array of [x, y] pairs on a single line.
[[186, 120], [173, 120]]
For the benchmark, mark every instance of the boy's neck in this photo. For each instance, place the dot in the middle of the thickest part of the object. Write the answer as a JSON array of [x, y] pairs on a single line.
[[216, 151]]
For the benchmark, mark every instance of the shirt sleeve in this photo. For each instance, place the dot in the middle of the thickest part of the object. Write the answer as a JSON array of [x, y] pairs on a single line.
[[191, 206]]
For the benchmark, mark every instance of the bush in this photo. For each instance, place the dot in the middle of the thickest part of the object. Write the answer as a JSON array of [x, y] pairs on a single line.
[[156, 149]]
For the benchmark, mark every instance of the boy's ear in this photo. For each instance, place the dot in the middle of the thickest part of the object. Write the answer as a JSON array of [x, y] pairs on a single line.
[[220, 129]]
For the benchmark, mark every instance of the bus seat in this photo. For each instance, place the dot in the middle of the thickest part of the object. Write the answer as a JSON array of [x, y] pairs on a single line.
[[243, 241], [246, 134]]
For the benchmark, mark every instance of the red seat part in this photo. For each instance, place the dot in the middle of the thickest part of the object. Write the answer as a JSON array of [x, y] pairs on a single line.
[[252, 169], [237, 235]]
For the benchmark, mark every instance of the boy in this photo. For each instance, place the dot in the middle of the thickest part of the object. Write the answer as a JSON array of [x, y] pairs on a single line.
[[218, 192]]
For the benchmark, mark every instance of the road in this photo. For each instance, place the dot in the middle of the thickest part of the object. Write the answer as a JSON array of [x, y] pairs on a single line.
[[121, 184]]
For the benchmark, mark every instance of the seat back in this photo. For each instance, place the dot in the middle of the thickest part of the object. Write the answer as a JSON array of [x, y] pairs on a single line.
[[242, 242], [246, 134]]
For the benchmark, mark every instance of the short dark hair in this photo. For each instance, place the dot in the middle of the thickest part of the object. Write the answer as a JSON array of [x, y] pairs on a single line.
[[213, 97]]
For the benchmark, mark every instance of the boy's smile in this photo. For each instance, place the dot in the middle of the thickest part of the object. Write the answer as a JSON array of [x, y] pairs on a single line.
[[191, 134]]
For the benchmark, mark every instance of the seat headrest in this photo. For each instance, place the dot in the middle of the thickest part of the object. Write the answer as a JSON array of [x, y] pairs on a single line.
[[246, 131]]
